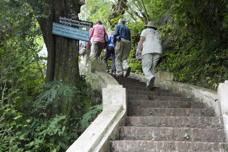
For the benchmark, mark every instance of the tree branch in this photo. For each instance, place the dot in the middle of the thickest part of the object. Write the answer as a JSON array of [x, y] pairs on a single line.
[[146, 13]]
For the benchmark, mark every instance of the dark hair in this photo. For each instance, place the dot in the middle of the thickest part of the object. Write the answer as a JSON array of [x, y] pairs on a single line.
[[123, 22], [99, 22], [152, 28]]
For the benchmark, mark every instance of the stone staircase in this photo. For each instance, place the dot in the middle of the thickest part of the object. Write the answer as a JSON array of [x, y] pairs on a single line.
[[161, 121]]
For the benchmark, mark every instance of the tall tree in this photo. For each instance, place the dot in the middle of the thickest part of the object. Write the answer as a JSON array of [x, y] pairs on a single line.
[[62, 52]]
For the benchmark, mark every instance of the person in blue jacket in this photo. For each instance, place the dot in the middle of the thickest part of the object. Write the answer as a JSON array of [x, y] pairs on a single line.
[[122, 39], [110, 52]]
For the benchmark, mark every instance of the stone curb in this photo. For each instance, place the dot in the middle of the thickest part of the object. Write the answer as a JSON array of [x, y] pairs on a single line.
[[105, 127]]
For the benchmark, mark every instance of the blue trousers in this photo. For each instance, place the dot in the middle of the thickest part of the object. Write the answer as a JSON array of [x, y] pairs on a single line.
[[110, 53]]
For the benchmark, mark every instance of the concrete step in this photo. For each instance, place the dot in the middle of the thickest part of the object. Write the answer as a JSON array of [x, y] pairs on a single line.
[[171, 121], [138, 111], [164, 104], [133, 84], [141, 87], [127, 83], [152, 93], [161, 96], [146, 91], [166, 146], [119, 79], [171, 134]]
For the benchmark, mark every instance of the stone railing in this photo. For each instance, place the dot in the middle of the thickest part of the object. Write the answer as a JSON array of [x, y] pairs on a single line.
[[223, 97], [218, 101], [105, 127]]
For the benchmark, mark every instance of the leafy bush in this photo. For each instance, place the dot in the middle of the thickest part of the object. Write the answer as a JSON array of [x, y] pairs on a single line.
[[51, 122], [196, 50], [89, 116], [35, 117]]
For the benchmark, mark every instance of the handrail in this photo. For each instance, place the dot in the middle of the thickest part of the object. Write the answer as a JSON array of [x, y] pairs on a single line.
[[223, 97], [105, 127]]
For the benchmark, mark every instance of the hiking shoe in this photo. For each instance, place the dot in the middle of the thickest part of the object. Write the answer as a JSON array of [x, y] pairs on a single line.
[[127, 72], [113, 73], [150, 84], [119, 75]]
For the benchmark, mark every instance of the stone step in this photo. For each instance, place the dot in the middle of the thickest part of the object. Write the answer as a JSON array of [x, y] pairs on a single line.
[[166, 146], [152, 94], [132, 89], [172, 121], [139, 87], [161, 96], [142, 88], [164, 104], [131, 83], [138, 111], [145, 90], [173, 134], [140, 97], [146, 93], [119, 79]]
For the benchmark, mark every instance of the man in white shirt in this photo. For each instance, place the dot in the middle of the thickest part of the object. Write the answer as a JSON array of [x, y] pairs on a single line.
[[149, 47]]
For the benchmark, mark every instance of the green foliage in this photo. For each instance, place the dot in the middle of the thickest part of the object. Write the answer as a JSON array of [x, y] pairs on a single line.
[[35, 117], [136, 29], [197, 47], [135, 64], [21, 69], [89, 116], [154, 8], [55, 118], [96, 9], [21, 132]]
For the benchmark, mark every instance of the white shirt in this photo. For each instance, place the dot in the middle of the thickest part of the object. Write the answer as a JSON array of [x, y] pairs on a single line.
[[152, 43]]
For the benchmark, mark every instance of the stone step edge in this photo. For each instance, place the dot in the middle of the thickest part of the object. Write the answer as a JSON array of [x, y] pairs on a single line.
[[148, 127], [175, 121], [171, 141], [139, 108], [163, 101], [173, 117], [160, 96]]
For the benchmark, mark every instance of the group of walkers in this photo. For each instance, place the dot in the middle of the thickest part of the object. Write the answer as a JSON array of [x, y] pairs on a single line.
[[118, 45]]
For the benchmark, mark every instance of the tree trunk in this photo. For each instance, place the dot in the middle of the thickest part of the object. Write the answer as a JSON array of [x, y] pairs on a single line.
[[62, 52]]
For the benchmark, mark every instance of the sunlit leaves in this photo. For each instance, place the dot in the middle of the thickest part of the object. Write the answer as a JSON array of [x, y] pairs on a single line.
[[96, 9]]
